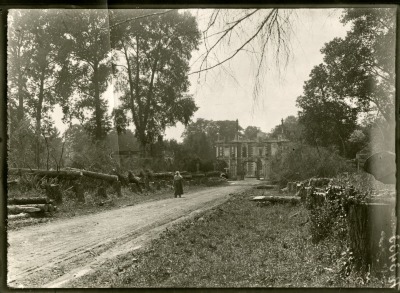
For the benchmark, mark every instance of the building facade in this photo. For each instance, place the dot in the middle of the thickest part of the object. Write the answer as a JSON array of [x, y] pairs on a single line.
[[250, 158]]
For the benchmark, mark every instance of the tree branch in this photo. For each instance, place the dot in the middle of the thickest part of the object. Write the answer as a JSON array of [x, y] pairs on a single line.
[[239, 49]]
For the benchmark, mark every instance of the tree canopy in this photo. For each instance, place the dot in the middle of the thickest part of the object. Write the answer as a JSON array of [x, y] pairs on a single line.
[[151, 63]]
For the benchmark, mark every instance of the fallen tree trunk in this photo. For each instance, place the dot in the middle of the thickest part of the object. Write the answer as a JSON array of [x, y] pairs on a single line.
[[18, 216], [70, 174], [17, 209], [265, 187], [277, 199], [28, 200], [99, 176]]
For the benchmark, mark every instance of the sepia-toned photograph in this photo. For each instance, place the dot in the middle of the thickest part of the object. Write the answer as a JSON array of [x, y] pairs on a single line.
[[201, 147]]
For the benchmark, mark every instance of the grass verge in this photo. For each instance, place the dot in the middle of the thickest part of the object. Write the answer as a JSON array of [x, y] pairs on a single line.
[[238, 244]]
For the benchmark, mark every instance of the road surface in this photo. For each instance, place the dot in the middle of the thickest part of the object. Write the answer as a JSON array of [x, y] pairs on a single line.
[[52, 254]]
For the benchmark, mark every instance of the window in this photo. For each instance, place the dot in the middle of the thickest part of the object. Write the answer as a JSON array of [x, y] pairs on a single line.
[[244, 152], [232, 151], [220, 151]]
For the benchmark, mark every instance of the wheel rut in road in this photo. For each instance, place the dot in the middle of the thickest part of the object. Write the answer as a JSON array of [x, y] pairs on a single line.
[[52, 254]]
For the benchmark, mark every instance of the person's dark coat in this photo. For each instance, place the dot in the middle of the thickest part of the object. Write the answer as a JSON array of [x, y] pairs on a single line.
[[178, 185]]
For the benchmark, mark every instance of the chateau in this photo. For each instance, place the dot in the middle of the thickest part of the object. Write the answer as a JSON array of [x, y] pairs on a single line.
[[252, 157]]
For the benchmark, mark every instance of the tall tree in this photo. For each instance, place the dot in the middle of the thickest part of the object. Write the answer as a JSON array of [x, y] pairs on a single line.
[[18, 60], [89, 67], [38, 49], [151, 67], [327, 119], [361, 66]]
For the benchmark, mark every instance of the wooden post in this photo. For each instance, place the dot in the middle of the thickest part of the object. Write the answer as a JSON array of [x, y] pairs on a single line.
[[370, 228], [79, 192]]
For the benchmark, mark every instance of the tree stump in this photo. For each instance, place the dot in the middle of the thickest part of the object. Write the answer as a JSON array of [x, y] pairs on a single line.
[[158, 185], [370, 228], [53, 191], [101, 192], [117, 188], [78, 189]]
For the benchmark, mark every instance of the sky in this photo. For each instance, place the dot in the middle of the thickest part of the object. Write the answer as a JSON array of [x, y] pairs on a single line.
[[227, 93], [222, 97]]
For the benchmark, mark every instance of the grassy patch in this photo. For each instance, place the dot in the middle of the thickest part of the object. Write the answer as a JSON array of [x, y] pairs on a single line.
[[238, 244]]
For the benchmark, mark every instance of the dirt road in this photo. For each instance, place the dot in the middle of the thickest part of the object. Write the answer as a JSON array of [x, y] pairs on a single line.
[[52, 254]]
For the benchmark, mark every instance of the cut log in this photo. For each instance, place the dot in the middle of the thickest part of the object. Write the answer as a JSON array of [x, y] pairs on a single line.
[[265, 187], [70, 174], [277, 199], [17, 209], [101, 176], [28, 200], [370, 228], [12, 182], [53, 191], [198, 175], [78, 189], [18, 216]]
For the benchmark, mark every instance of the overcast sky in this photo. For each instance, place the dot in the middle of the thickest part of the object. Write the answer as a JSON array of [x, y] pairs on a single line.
[[227, 93], [221, 97]]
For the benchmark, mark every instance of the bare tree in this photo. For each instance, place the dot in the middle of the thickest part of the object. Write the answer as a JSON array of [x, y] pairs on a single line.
[[264, 34]]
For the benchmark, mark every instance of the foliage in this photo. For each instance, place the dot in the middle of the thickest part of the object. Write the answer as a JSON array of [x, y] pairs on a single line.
[[251, 132], [356, 78], [88, 68], [329, 219], [302, 162], [361, 65], [292, 129], [327, 120], [83, 153], [151, 63]]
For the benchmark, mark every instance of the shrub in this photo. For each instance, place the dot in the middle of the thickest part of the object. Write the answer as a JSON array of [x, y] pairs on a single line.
[[329, 218], [303, 162]]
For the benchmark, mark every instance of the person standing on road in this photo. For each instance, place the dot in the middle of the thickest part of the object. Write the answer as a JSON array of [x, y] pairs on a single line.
[[178, 185]]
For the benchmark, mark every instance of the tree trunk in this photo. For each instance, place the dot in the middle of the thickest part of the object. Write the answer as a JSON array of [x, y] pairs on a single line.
[[48, 173], [28, 200], [18, 216], [17, 209], [97, 101], [277, 199], [370, 228], [78, 189], [20, 111], [39, 118]]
